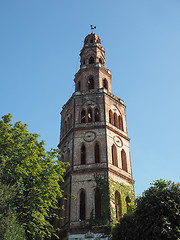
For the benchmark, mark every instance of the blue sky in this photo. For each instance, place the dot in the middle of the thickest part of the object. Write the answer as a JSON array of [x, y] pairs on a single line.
[[39, 54]]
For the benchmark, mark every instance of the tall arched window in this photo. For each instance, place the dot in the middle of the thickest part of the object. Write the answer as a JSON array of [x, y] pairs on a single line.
[[105, 84], [91, 60], [91, 83], [124, 161], [120, 122], [97, 153], [89, 115], [82, 207], [100, 61], [110, 117], [83, 116], [117, 205], [83, 154], [115, 120], [96, 115], [97, 203], [114, 155], [79, 86]]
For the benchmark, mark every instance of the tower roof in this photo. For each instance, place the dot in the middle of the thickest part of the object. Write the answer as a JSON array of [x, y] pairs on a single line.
[[91, 39]]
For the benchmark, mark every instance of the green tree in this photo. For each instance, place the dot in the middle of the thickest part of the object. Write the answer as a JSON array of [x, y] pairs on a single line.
[[35, 174], [10, 228], [157, 215], [125, 228]]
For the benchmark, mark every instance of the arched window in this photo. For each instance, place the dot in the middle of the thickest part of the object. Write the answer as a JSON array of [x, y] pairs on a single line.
[[117, 205], [91, 40], [110, 117], [100, 61], [115, 120], [91, 83], [83, 154], [91, 60], [96, 115], [120, 122], [124, 161], [82, 207], [97, 203], [83, 116], [97, 153], [114, 155], [68, 155], [79, 86], [89, 115], [105, 84], [84, 62]]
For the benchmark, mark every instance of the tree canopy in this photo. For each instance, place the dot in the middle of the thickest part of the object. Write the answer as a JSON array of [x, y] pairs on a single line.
[[35, 176], [156, 217]]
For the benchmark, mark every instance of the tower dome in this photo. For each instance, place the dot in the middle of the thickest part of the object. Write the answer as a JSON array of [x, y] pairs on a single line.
[[92, 39]]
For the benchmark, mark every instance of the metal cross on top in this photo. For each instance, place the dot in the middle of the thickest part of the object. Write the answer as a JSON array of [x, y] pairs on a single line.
[[92, 28]]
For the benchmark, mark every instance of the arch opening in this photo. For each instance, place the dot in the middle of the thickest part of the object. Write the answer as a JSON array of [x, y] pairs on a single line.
[[89, 115], [120, 122], [114, 155], [97, 204], [97, 153], [83, 116], [96, 115], [115, 120], [110, 117], [91, 60], [91, 83], [83, 155], [82, 208], [105, 84], [124, 160]]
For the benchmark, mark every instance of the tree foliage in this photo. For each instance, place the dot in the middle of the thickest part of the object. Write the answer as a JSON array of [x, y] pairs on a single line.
[[10, 228], [157, 215], [34, 174]]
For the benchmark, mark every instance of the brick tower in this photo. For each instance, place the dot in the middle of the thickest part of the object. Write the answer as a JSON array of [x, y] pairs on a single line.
[[98, 187]]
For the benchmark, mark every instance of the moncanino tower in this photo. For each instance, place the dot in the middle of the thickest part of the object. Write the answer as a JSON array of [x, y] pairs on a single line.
[[98, 187]]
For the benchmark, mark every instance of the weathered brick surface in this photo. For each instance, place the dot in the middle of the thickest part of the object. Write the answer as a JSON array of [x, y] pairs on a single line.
[[74, 134]]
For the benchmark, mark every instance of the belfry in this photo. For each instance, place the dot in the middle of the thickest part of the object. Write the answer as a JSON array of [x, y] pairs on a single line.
[[98, 186]]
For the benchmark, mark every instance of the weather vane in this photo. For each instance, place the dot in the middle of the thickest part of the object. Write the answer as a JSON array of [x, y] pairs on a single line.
[[92, 28]]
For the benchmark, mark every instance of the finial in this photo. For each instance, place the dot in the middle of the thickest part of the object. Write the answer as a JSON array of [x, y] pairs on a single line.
[[92, 28]]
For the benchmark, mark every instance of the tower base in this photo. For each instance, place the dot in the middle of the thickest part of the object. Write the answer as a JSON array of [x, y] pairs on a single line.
[[88, 235]]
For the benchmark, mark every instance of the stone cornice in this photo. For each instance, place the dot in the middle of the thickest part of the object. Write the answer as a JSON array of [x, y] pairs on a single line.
[[121, 175], [117, 131]]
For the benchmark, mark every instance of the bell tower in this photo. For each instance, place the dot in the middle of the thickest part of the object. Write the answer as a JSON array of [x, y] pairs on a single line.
[[98, 186]]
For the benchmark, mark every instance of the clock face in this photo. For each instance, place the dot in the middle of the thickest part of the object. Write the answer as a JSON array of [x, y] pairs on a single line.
[[118, 141], [89, 136]]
